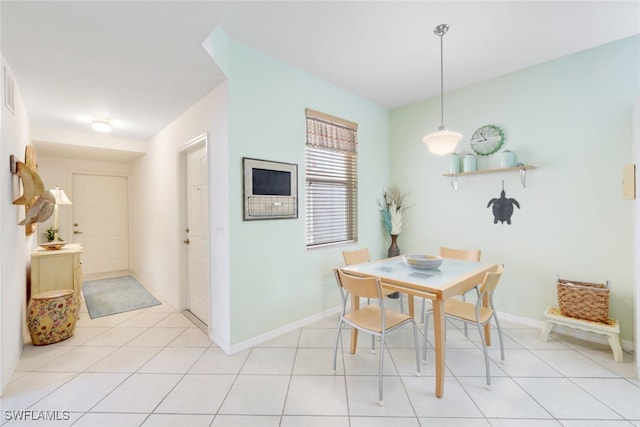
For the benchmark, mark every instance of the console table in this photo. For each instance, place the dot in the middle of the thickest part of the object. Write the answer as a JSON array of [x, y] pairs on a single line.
[[56, 269]]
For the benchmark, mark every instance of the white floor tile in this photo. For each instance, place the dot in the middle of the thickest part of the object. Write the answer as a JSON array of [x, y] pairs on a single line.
[[78, 359], [505, 399], [316, 395], [115, 336], [172, 420], [110, 420], [245, 421], [156, 337], [386, 421], [81, 393], [317, 361], [563, 399], [191, 337], [139, 393], [197, 394], [216, 361], [318, 338], [315, 421], [455, 403], [617, 393], [145, 319], [571, 363], [30, 388], [174, 320], [363, 397], [457, 422], [366, 363], [176, 360], [125, 360], [256, 395], [269, 361]]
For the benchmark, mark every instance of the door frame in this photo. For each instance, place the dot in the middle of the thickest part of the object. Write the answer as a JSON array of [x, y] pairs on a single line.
[[200, 141]]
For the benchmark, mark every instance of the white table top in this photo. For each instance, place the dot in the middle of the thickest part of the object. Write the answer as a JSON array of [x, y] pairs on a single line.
[[394, 270]]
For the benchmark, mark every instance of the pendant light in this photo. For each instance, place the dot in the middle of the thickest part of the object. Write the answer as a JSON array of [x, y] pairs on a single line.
[[443, 141]]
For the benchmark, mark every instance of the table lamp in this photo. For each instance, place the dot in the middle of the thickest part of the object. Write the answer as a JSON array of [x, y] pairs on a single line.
[[61, 199]]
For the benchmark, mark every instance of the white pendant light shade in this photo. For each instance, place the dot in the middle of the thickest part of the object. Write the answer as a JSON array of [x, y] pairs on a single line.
[[442, 142]]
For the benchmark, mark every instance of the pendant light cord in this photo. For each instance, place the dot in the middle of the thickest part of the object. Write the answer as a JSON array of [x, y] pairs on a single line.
[[441, 83]]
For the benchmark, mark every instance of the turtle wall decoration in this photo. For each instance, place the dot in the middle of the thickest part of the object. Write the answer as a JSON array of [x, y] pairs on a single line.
[[503, 208]]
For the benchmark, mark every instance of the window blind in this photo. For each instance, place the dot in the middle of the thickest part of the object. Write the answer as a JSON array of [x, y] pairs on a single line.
[[331, 180]]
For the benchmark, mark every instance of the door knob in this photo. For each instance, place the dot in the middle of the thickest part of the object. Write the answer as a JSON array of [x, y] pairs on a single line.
[[186, 241], [77, 232]]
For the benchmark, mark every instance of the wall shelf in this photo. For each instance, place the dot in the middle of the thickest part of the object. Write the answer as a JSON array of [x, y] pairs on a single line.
[[521, 169]]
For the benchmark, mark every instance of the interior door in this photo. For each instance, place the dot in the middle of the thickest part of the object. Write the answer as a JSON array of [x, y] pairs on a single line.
[[101, 222], [198, 234]]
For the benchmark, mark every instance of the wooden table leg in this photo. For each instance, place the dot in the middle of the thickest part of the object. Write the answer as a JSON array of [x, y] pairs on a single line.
[[438, 328], [411, 305], [355, 305]]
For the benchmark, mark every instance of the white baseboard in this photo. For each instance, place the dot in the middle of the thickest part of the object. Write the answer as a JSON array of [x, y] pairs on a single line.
[[268, 336], [228, 348]]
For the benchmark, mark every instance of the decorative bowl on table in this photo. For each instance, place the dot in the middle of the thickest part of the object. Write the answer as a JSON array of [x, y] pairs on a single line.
[[52, 246], [422, 262]]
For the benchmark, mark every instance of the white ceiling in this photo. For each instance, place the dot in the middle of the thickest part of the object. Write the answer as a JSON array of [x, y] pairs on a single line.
[[141, 64]]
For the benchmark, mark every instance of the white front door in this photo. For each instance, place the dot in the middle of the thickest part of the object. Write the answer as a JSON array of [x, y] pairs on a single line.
[[198, 234], [101, 222]]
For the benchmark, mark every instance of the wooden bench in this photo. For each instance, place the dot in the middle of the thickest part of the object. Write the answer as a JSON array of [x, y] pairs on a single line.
[[610, 328]]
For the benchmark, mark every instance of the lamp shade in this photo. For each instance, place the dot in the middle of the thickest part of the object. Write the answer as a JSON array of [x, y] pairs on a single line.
[[61, 198], [442, 142]]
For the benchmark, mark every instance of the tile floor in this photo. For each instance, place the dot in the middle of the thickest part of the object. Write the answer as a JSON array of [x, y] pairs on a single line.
[[153, 367]]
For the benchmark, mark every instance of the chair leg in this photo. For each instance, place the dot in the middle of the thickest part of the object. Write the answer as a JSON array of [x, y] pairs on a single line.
[[335, 349], [373, 344], [380, 368], [486, 354], [424, 303], [417, 345], [495, 317], [466, 332], [424, 341]]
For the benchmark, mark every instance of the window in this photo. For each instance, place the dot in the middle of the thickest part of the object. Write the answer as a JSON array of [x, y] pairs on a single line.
[[331, 180]]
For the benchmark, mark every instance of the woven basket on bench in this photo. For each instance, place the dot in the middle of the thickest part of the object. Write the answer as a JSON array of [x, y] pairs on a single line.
[[583, 300]]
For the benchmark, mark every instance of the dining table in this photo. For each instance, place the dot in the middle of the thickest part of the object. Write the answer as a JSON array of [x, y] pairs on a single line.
[[453, 277]]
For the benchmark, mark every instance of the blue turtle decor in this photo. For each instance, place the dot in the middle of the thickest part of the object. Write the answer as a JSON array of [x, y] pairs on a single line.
[[503, 208]]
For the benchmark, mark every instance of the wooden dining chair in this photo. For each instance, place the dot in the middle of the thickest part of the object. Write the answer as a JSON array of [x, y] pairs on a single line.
[[362, 255], [474, 313], [462, 254], [372, 319]]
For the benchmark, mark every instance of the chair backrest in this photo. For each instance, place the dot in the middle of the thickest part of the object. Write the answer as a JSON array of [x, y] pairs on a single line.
[[368, 287], [356, 257], [464, 254], [490, 281]]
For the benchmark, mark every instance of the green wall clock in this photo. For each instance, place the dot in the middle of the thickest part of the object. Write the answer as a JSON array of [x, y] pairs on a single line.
[[487, 140]]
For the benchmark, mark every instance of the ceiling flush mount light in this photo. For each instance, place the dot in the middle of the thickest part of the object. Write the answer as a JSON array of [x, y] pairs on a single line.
[[443, 141], [101, 126]]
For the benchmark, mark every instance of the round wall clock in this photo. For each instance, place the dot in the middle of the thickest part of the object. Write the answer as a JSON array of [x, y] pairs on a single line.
[[487, 140]]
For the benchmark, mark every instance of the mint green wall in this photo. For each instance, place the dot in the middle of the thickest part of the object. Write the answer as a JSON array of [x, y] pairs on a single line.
[[274, 280], [570, 117]]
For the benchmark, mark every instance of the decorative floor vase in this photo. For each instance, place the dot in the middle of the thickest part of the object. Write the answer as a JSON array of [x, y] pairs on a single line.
[[394, 250]]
